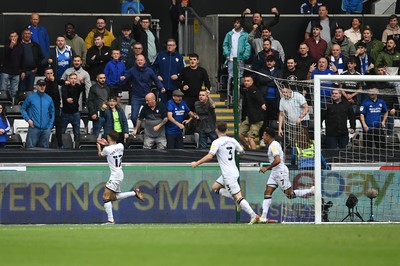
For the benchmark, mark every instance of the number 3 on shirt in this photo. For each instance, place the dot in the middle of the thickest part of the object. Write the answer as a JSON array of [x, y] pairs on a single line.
[[230, 157]]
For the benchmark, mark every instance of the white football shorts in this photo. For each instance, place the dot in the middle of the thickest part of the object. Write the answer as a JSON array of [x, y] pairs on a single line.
[[114, 185], [279, 178], [231, 184]]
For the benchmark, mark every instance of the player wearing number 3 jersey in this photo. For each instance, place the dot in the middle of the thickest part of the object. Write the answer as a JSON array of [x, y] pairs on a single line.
[[114, 152], [227, 184]]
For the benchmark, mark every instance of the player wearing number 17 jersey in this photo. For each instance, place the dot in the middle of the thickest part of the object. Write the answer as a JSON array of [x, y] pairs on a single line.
[[227, 184], [114, 152]]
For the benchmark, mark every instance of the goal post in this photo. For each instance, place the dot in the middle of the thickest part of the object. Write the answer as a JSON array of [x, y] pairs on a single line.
[[318, 79]]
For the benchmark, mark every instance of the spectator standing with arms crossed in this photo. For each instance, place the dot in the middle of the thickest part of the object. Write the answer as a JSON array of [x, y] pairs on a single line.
[[38, 111], [70, 94], [99, 30]]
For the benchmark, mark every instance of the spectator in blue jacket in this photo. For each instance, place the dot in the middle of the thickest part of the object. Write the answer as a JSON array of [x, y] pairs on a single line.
[[39, 33], [140, 77], [167, 66], [236, 45], [4, 126], [115, 118], [114, 71], [38, 111], [352, 6]]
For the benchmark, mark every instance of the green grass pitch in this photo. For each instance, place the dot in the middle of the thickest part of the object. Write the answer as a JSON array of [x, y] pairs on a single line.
[[200, 244]]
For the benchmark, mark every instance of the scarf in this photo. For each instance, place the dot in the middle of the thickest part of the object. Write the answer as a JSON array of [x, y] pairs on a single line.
[[363, 64], [338, 64]]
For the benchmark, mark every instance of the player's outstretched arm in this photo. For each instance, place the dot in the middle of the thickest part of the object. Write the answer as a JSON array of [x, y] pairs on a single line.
[[205, 159]]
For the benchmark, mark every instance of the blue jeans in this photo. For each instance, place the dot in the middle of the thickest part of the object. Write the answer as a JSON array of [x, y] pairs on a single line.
[[38, 138], [75, 120], [97, 125], [339, 142], [136, 103], [174, 141], [203, 138], [14, 81], [28, 83]]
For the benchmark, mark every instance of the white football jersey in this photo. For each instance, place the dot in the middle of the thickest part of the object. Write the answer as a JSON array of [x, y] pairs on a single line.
[[114, 155], [275, 149], [225, 149]]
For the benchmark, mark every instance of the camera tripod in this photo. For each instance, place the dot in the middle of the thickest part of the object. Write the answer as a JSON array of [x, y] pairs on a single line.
[[371, 216], [352, 213]]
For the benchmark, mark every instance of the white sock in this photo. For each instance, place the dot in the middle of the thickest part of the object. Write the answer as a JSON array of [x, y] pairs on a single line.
[[246, 207], [302, 192], [265, 205], [124, 195], [108, 209]]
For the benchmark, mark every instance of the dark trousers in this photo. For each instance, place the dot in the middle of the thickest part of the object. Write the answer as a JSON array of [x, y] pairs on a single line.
[[375, 136], [174, 141]]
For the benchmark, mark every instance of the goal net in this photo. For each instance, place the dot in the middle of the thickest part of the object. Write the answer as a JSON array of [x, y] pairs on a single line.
[[356, 173]]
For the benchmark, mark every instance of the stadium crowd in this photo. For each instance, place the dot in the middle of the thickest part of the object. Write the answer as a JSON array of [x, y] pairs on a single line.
[[88, 77]]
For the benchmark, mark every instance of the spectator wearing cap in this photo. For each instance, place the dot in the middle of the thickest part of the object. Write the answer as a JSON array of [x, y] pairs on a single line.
[[317, 46], [176, 110], [269, 89], [124, 43], [76, 42], [38, 110], [365, 62]]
